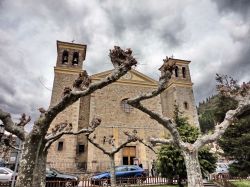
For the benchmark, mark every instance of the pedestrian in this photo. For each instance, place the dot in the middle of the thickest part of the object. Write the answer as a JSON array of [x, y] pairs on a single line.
[[153, 168], [140, 165]]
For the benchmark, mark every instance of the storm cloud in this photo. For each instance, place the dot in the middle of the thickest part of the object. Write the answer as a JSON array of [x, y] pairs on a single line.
[[214, 35]]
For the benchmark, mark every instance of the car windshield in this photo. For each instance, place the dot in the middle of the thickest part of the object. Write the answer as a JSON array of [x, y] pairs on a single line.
[[54, 170], [132, 168], [121, 168], [9, 170]]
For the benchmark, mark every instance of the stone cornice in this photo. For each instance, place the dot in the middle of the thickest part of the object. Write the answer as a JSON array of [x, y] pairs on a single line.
[[67, 70], [182, 84], [137, 79]]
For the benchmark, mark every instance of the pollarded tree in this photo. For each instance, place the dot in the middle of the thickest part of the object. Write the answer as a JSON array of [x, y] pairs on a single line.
[[226, 86], [170, 160], [35, 141], [115, 149]]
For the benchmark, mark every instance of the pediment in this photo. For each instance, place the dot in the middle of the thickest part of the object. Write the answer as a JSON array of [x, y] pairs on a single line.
[[132, 77]]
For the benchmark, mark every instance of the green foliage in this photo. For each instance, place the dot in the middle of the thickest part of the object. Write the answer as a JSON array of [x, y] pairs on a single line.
[[207, 160], [214, 110], [188, 133], [170, 160], [241, 183], [223, 105], [236, 140], [236, 145], [206, 121]]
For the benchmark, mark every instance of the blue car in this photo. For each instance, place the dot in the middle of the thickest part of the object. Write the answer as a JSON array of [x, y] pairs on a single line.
[[124, 174]]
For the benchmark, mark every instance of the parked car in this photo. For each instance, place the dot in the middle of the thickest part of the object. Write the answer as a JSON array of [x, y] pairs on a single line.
[[6, 175], [2, 163], [59, 179], [126, 173], [221, 168]]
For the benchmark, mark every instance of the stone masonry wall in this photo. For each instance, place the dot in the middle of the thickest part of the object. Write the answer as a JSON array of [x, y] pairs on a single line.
[[64, 160], [106, 103]]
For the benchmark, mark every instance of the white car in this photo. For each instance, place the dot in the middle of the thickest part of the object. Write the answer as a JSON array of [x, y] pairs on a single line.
[[222, 168], [5, 174]]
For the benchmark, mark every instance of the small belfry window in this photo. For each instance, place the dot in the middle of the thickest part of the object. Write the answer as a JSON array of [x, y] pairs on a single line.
[[185, 105], [81, 148], [176, 71], [184, 72], [60, 146], [75, 58], [125, 106], [65, 57]]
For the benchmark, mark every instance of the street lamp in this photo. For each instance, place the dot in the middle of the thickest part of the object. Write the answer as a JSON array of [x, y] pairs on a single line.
[[1, 130]]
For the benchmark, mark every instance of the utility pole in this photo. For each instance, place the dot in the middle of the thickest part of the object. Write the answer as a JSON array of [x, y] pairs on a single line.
[[16, 163]]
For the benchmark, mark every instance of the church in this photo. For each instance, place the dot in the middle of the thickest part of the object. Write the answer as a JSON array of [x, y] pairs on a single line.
[[75, 153]]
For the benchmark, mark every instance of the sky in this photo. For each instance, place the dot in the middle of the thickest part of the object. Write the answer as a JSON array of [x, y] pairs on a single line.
[[213, 34]]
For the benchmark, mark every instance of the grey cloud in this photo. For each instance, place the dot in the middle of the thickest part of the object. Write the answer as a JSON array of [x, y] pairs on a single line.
[[29, 30], [242, 7], [241, 66]]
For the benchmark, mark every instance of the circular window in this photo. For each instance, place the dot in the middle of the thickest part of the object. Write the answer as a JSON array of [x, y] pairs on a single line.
[[125, 106]]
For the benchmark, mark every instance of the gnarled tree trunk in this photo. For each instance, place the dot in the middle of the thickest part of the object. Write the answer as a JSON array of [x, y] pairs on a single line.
[[194, 175], [31, 147], [39, 178]]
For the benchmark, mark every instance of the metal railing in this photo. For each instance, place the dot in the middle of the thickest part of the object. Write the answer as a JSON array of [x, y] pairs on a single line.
[[5, 184], [131, 181]]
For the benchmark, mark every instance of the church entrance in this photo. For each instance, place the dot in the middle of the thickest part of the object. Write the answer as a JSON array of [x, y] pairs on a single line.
[[128, 155]]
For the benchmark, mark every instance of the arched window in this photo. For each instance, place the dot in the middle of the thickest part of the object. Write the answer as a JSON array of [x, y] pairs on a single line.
[[176, 71], [183, 72], [125, 106], [185, 105], [75, 58], [65, 57]]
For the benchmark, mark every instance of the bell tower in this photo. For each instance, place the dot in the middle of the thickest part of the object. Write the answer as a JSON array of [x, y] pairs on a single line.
[[64, 153], [179, 92], [70, 55], [69, 63]]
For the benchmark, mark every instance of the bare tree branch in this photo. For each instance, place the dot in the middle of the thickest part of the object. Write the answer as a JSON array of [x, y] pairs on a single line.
[[147, 145], [166, 122], [231, 115], [227, 86], [122, 60], [34, 142], [123, 145], [8, 144], [98, 146], [65, 129], [10, 126], [23, 120], [8, 140], [161, 141], [130, 138]]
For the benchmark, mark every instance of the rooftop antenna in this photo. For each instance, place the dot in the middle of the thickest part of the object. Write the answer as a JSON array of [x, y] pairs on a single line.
[[72, 41]]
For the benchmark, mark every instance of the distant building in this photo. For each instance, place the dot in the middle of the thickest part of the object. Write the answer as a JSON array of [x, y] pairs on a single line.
[[8, 155], [72, 153]]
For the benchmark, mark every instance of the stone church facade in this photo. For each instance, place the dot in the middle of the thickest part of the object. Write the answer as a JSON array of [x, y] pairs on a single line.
[[74, 153]]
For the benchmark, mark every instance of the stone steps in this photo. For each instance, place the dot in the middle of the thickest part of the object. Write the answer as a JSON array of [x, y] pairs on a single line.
[[209, 184]]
